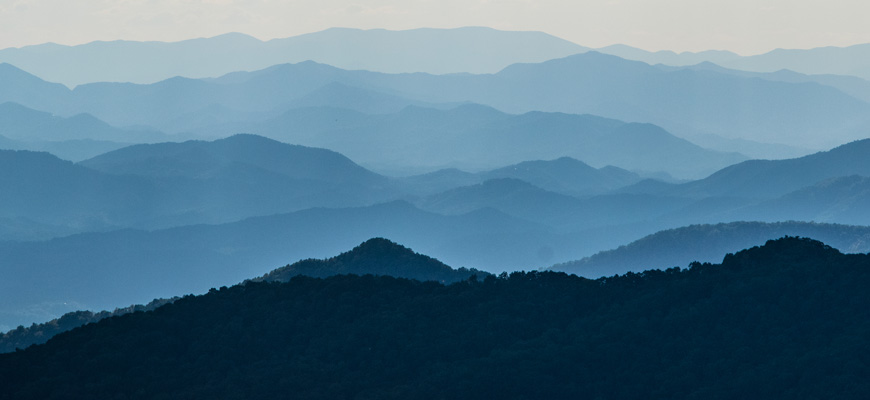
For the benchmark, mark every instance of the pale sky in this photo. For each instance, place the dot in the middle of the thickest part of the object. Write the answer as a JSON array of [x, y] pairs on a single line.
[[744, 26]]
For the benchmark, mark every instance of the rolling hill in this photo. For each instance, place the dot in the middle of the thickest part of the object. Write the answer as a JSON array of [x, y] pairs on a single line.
[[708, 243], [173, 184]]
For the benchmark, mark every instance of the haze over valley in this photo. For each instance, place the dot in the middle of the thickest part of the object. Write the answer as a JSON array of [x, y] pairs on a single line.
[[492, 197]]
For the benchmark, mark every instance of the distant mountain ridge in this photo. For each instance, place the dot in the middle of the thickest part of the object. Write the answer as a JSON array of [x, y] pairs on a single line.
[[476, 137], [563, 175], [687, 102], [850, 60], [437, 51]]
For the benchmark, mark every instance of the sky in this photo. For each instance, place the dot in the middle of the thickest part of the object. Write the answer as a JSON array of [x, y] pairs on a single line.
[[743, 26]]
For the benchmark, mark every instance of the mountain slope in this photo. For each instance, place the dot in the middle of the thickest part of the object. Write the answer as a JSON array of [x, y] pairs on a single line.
[[767, 315], [200, 158], [838, 200], [24, 88]]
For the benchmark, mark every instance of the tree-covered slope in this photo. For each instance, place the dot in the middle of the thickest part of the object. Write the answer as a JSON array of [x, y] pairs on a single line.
[[24, 337], [707, 243], [785, 320]]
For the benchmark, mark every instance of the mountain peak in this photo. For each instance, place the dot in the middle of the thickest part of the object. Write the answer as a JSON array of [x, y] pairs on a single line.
[[788, 250], [376, 256]]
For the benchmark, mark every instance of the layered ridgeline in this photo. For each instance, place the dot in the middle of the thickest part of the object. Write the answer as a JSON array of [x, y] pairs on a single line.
[[373, 257], [566, 213], [564, 175], [437, 51], [685, 101], [497, 224], [48, 278], [171, 184], [707, 243], [821, 62], [763, 314]]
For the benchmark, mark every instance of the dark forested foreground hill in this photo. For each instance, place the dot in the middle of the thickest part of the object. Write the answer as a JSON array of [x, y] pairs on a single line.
[[785, 320]]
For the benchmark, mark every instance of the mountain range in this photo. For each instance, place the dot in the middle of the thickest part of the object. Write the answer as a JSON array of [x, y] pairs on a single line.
[[258, 194], [437, 51], [687, 102], [476, 137]]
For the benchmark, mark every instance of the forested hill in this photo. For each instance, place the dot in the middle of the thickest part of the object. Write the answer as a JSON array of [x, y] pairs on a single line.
[[376, 256], [785, 320]]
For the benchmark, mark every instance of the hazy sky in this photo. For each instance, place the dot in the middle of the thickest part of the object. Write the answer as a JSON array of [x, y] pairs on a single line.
[[744, 26]]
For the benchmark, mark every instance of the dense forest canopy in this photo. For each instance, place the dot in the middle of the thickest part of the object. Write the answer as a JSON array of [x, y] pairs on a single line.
[[785, 320]]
